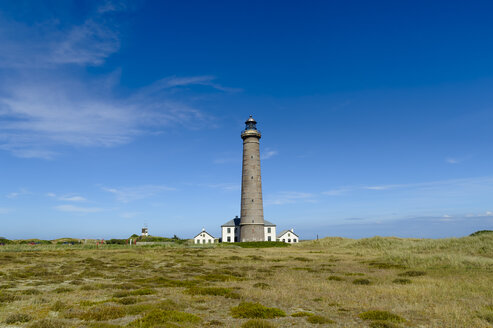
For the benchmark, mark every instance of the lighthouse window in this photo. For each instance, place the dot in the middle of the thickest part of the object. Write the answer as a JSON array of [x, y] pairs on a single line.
[[229, 239], [289, 240], [229, 230], [268, 230], [269, 238]]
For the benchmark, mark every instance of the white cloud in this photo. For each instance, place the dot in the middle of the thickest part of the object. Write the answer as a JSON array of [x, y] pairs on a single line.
[[77, 209], [446, 216], [452, 160], [16, 194], [268, 153], [288, 197], [129, 194], [42, 110], [337, 191], [73, 198]]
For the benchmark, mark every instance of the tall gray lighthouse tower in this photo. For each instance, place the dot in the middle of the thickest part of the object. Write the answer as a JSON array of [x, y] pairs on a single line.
[[252, 208]]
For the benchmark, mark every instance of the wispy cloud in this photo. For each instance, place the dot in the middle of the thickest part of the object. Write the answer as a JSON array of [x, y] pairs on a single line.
[[16, 194], [337, 191], [129, 194], [268, 153], [44, 110], [451, 160], [77, 209], [67, 198], [289, 197]]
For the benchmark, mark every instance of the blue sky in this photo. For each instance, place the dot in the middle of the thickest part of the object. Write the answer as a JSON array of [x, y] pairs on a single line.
[[376, 117]]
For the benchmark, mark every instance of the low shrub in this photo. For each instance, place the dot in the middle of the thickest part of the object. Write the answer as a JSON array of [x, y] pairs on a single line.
[[361, 281], [18, 317], [382, 324], [262, 244], [60, 290], [261, 285], [386, 265], [318, 319], [214, 291], [402, 281], [256, 310], [302, 314], [103, 312], [257, 323], [487, 317], [335, 278], [381, 315], [7, 297], [412, 274], [31, 292], [158, 318], [127, 300], [214, 323]]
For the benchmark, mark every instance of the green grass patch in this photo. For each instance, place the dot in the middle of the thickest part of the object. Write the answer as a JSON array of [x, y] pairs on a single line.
[[214, 291], [102, 313], [137, 292], [18, 318], [162, 318], [302, 314], [402, 281], [262, 244], [257, 323], [48, 323], [412, 274], [261, 285], [381, 315], [256, 310], [318, 319]]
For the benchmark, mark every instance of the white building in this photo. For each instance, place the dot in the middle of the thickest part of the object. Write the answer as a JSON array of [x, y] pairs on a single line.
[[288, 236], [230, 231], [204, 238], [145, 232]]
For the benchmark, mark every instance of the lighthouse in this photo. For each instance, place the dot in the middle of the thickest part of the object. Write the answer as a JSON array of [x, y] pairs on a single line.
[[252, 209]]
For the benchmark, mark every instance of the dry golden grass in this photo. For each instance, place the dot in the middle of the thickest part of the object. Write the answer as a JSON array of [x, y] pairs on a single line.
[[413, 283]]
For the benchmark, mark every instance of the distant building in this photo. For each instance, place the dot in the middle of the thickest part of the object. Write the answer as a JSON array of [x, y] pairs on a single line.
[[145, 232], [288, 236], [230, 231], [204, 238]]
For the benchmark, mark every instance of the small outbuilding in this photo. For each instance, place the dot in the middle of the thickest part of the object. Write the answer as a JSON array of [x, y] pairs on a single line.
[[288, 236], [204, 238]]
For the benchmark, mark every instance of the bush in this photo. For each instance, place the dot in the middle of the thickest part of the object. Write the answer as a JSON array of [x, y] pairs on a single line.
[[318, 319], [117, 242], [158, 318], [262, 244], [104, 312], [335, 278], [481, 232], [381, 315], [18, 317], [361, 281], [255, 310], [302, 314], [257, 323], [412, 274], [402, 281], [261, 285], [214, 291], [382, 324]]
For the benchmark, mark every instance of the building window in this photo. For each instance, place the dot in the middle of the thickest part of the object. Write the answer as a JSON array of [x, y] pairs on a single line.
[[289, 240], [284, 240], [268, 230], [209, 241], [229, 239], [294, 240], [229, 230], [269, 238], [252, 200], [289, 235], [203, 235], [203, 241]]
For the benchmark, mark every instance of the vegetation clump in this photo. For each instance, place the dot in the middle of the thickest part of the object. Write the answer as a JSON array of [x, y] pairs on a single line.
[[335, 278], [214, 291], [104, 312], [402, 281], [361, 281], [261, 285], [257, 323], [302, 314], [262, 244], [377, 315], [318, 319], [412, 274], [382, 324], [162, 318], [256, 310], [18, 317], [47, 323], [481, 233]]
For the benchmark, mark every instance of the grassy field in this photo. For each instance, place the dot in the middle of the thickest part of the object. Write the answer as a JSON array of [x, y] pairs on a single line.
[[333, 282]]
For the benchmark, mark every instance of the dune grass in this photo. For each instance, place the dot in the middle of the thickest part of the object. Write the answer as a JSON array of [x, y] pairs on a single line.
[[413, 282]]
